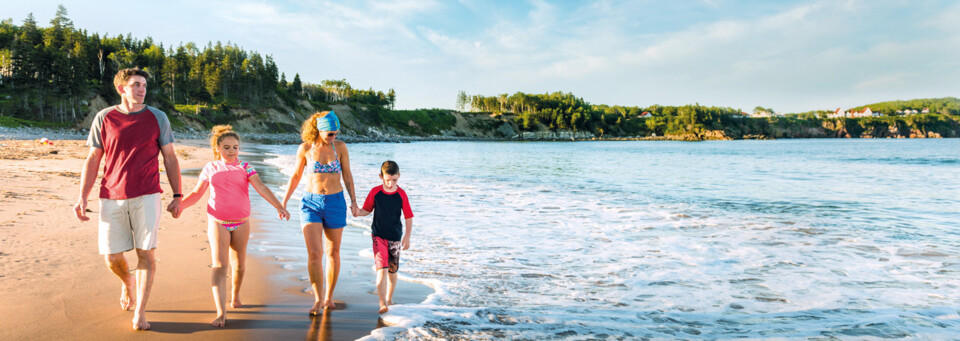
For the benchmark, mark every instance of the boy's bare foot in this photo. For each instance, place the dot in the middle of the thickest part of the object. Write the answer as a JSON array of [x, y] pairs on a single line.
[[383, 309], [329, 305], [220, 321], [140, 323], [235, 302], [316, 309], [127, 298]]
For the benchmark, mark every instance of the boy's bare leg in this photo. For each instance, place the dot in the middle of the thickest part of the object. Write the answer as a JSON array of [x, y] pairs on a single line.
[[313, 237], [382, 289], [390, 286], [331, 239], [238, 256], [118, 265], [146, 270], [219, 250]]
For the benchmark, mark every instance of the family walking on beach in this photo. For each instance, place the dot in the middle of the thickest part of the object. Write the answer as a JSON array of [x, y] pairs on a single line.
[[129, 137]]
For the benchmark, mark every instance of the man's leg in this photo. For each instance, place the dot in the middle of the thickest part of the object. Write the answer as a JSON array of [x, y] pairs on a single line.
[[146, 270], [118, 265], [144, 213]]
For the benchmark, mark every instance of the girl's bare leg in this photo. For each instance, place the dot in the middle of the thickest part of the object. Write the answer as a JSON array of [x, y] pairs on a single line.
[[238, 256]]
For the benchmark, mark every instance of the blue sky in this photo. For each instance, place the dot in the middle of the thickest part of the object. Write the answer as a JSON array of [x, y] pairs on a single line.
[[791, 56]]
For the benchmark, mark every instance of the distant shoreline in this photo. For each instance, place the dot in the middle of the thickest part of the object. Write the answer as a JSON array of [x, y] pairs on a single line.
[[31, 133]]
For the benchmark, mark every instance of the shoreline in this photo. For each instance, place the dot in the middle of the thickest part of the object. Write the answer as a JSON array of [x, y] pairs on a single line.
[[53, 283], [30, 133]]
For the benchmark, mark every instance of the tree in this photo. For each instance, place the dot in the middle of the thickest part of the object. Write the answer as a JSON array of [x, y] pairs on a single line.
[[461, 100], [296, 87]]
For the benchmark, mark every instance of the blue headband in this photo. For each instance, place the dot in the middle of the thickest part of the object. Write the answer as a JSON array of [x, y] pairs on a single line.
[[328, 123]]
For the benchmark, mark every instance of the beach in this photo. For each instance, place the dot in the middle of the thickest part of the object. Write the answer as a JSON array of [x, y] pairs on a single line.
[[54, 284]]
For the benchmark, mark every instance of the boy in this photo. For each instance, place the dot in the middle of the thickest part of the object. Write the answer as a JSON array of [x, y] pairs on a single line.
[[388, 237]]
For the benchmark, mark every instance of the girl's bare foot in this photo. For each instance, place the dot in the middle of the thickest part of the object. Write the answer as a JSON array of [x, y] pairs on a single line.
[[235, 302], [127, 298], [383, 309], [220, 321], [140, 323], [316, 309]]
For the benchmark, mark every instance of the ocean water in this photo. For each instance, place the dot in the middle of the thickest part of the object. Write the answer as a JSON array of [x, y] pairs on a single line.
[[789, 239]]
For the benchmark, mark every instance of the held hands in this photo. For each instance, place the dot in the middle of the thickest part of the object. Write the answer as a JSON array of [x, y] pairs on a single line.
[[282, 213], [354, 210], [80, 209], [174, 208]]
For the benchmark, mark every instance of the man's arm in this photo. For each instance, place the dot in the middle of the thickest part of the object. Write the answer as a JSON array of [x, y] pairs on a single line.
[[172, 165], [91, 167]]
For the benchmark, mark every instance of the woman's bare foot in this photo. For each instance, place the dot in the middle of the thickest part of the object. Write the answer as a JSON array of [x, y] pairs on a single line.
[[127, 298], [383, 309], [316, 309], [329, 305], [220, 321], [235, 302], [140, 323]]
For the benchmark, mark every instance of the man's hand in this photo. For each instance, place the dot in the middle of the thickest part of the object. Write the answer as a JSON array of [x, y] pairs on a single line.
[[80, 209]]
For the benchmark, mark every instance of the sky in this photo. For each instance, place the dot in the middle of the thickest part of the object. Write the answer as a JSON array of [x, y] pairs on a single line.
[[791, 56]]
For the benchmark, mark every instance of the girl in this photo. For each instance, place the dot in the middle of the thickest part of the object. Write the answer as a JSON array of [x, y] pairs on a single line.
[[323, 210], [228, 211]]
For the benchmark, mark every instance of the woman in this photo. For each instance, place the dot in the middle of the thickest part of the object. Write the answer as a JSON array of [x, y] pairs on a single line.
[[323, 211]]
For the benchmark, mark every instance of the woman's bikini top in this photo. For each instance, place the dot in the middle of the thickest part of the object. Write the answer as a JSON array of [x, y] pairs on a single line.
[[332, 167]]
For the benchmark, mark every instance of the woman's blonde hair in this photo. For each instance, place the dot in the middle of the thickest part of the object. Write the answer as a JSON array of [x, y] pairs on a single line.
[[217, 134], [309, 132]]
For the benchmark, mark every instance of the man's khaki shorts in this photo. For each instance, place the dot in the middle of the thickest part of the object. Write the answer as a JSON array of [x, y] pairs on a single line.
[[129, 223]]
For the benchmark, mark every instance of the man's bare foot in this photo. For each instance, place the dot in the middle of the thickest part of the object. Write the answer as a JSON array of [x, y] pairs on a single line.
[[140, 323], [329, 305], [383, 309], [127, 298], [235, 302], [390, 302], [220, 321], [316, 309]]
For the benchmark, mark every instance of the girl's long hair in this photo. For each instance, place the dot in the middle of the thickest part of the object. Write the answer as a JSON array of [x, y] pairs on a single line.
[[217, 134]]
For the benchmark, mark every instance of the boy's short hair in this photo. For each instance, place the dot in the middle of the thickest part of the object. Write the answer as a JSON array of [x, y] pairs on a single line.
[[389, 168], [124, 75]]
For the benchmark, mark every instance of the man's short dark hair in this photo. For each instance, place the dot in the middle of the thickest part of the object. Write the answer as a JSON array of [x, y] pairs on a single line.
[[124, 75]]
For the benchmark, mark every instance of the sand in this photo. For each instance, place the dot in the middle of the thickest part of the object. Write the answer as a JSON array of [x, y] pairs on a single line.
[[54, 284]]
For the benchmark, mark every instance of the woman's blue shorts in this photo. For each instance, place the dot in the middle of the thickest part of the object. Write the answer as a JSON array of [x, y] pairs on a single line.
[[329, 209]]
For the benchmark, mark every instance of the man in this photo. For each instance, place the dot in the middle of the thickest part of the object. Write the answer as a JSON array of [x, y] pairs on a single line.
[[130, 136]]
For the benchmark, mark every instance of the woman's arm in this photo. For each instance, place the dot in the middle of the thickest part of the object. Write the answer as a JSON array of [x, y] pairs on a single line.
[[348, 177], [297, 173]]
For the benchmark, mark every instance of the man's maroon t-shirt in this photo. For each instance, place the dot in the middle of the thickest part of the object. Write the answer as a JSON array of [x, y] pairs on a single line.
[[131, 144]]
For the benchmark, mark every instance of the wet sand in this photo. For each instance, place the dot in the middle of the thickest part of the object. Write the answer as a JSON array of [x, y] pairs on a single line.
[[54, 284]]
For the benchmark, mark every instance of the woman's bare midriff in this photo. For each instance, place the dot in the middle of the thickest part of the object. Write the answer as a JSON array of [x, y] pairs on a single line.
[[324, 183]]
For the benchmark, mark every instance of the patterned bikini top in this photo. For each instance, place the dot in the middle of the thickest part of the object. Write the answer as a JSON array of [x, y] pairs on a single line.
[[332, 167]]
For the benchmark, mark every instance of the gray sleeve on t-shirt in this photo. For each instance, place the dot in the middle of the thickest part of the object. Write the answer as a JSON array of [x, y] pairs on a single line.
[[166, 133], [96, 138]]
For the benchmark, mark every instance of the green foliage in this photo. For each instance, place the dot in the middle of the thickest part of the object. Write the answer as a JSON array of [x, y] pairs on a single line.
[[426, 121], [13, 122], [50, 72], [946, 106]]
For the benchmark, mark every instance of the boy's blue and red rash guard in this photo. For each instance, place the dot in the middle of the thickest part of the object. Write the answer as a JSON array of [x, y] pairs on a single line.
[[386, 208]]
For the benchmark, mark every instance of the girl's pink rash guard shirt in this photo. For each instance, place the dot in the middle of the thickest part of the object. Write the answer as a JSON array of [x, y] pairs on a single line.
[[229, 184]]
